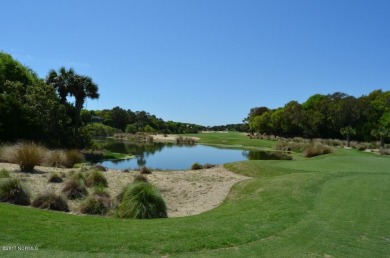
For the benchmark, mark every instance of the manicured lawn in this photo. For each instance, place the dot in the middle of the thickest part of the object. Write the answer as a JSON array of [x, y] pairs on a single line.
[[336, 205]]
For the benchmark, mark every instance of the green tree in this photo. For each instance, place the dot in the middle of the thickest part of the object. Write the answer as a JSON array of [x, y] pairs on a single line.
[[348, 132]]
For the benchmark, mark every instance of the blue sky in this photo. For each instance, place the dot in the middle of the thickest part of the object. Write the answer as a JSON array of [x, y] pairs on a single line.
[[205, 61]]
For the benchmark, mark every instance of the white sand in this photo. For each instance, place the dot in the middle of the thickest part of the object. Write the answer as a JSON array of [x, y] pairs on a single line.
[[185, 192]]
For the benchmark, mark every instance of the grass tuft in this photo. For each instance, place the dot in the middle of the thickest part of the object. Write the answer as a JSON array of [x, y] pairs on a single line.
[[74, 189], [96, 178], [145, 171], [4, 173], [196, 166], [142, 201], [29, 155], [55, 178], [316, 149], [13, 191], [73, 157], [96, 205], [50, 201]]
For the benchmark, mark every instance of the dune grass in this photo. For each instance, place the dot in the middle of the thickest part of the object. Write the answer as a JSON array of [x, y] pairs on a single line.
[[334, 205]]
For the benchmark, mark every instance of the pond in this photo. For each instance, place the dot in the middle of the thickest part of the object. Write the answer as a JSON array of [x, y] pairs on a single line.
[[169, 156]]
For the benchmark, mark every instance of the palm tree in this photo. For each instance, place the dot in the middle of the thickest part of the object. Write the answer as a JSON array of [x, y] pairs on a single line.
[[61, 81], [81, 88], [68, 83]]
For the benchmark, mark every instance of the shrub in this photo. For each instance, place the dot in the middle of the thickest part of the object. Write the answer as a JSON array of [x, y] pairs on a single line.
[[196, 166], [316, 150], [4, 173], [29, 155], [140, 178], [96, 178], [74, 189], [12, 191], [142, 201], [50, 201], [73, 157], [55, 178], [145, 170], [96, 205]]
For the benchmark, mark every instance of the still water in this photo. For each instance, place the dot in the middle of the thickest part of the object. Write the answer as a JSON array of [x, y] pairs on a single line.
[[168, 156]]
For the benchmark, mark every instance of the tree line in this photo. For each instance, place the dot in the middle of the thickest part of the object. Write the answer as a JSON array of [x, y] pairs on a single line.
[[336, 115], [50, 110]]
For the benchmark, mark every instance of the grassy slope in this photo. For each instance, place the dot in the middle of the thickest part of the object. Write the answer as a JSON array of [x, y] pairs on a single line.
[[336, 205]]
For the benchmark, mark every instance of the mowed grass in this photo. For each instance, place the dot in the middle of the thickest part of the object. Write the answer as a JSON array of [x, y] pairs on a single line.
[[337, 205], [234, 140]]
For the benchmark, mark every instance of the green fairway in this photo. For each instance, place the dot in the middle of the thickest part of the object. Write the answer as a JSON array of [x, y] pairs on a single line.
[[336, 205]]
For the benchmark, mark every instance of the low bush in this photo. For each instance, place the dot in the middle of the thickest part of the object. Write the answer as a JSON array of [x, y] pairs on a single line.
[[185, 140], [73, 175], [74, 189], [4, 173], [73, 157], [96, 205], [196, 166], [100, 168], [145, 171], [207, 165], [50, 201], [142, 200], [385, 151], [29, 155], [55, 178], [95, 178], [13, 191], [316, 149]]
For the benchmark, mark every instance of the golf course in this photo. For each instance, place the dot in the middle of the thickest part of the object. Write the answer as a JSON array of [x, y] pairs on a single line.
[[333, 205]]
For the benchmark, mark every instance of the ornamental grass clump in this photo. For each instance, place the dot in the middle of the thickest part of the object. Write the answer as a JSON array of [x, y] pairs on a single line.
[[96, 205], [13, 191], [74, 189], [142, 200], [145, 171], [4, 173], [29, 155], [96, 178], [55, 178], [56, 158], [73, 157], [316, 149], [196, 166], [140, 178], [50, 201]]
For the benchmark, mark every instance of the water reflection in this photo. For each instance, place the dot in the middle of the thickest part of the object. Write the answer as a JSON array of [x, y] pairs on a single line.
[[176, 157]]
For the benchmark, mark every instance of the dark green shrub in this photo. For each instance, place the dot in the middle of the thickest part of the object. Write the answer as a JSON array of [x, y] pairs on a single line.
[[142, 201], [29, 155], [145, 171], [96, 178], [55, 178], [73, 157], [12, 191], [74, 189], [50, 201], [196, 166], [100, 168], [96, 205], [4, 173]]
